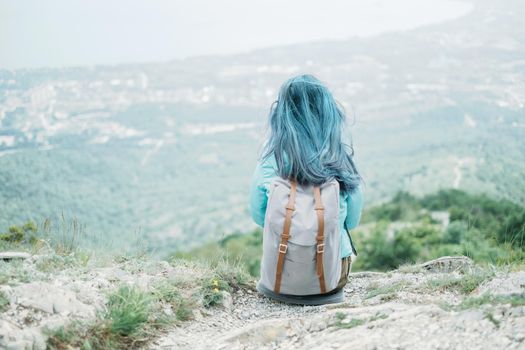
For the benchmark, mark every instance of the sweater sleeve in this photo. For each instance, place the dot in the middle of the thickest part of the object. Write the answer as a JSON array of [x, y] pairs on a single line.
[[262, 177], [354, 208]]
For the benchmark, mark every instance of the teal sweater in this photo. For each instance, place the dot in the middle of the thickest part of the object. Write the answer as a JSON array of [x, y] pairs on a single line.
[[350, 204]]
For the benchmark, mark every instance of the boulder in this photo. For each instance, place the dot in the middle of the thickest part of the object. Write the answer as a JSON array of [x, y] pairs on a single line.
[[512, 283], [448, 264], [14, 255], [51, 299]]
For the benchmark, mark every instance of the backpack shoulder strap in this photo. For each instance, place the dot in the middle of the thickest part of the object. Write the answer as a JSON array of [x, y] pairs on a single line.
[[319, 209], [285, 236]]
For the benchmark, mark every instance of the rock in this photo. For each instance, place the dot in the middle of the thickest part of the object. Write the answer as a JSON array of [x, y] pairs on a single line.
[[448, 264], [513, 283], [35, 337], [19, 345], [264, 332], [51, 299], [14, 255], [116, 274], [168, 311], [227, 300], [13, 337], [197, 315], [366, 274], [8, 292], [8, 333]]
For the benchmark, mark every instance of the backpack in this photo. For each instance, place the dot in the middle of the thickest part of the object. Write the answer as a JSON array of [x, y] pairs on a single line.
[[301, 239]]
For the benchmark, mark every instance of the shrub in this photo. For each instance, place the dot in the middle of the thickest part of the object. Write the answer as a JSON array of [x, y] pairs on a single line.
[[455, 232], [513, 230], [212, 291], [26, 233]]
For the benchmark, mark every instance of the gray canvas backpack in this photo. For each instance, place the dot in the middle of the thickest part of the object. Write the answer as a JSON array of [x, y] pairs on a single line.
[[301, 239]]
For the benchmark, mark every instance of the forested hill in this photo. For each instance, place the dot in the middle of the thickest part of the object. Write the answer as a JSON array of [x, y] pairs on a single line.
[[408, 229]]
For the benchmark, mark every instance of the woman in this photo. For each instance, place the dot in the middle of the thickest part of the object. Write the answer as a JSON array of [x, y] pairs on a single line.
[[306, 145]]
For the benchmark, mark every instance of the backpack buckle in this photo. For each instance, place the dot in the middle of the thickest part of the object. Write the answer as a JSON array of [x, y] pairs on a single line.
[[320, 248], [283, 248]]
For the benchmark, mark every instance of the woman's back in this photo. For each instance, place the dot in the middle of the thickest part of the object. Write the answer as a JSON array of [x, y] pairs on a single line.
[[350, 204], [304, 157]]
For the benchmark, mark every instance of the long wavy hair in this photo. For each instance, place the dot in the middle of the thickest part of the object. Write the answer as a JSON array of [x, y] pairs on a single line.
[[306, 135]]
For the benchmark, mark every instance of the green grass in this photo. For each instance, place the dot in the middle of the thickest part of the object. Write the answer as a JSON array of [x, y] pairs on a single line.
[[374, 289], [487, 298], [489, 316], [52, 263], [223, 274], [233, 272], [378, 316], [169, 292], [410, 268], [342, 322], [13, 272], [96, 336], [4, 301], [127, 310], [464, 284], [212, 290]]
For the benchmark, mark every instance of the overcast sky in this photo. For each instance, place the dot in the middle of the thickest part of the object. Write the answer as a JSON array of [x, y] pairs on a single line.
[[39, 33]]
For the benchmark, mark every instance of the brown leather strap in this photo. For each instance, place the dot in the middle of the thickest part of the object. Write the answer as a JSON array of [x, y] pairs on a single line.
[[319, 209], [285, 236]]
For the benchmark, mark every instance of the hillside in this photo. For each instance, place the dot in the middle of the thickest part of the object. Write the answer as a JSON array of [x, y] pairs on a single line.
[[121, 303], [410, 229]]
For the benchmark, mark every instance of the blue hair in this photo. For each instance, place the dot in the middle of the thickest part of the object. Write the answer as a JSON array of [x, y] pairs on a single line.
[[306, 130]]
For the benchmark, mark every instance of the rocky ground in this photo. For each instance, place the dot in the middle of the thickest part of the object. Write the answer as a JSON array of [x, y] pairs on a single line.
[[444, 304]]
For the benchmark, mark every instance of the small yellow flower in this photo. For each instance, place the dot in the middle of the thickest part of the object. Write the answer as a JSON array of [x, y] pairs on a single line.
[[216, 290], [215, 282]]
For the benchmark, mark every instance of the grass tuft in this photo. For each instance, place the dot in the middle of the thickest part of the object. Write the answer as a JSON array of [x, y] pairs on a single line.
[[464, 284], [127, 310], [489, 316], [374, 289], [487, 298], [124, 325], [410, 268], [233, 272], [212, 291], [13, 272], [342, 322], [4, 301], [168, 292]]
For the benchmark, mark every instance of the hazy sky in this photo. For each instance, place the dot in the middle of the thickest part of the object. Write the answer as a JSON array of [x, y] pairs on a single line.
[[37, 33]]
